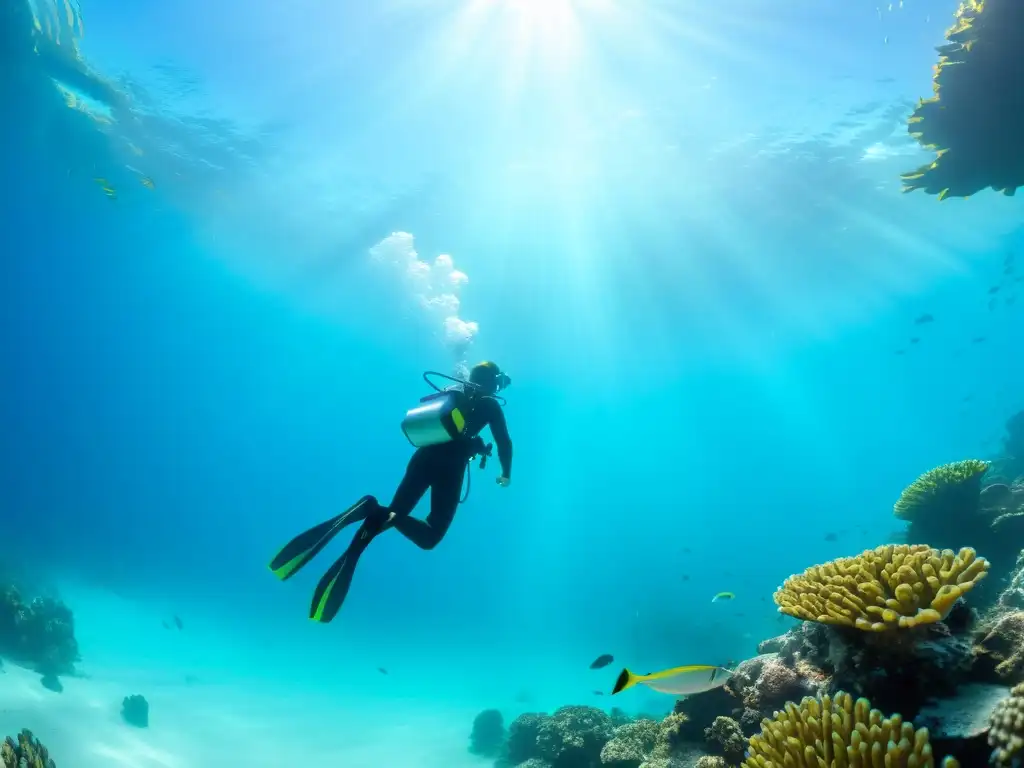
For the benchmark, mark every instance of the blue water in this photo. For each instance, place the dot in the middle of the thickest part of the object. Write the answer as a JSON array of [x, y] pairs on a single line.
[[684, 239]]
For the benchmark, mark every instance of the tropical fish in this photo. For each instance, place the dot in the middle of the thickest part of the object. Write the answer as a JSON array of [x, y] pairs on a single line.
[[382, 670], [602, 661], [680, 681], [108, 190], [925, 318], [722, 596], [147, 182], [178, 623]]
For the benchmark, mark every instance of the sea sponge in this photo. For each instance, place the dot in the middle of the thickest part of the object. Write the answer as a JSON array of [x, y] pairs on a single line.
[[26, 752], [952, 488], [895, 585], [836, 732], [1006, 734]]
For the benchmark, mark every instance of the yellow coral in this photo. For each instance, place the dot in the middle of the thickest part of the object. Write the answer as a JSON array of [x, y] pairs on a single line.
[[836, 732], [937, 489], [26, 752], [896, 585], [1006, 736]]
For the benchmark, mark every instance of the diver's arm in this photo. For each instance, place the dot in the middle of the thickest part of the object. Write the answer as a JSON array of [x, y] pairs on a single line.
[[499, 429]]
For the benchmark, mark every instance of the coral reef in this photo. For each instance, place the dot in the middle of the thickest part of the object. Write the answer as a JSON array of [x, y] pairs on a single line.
[[888, 587], [488, 734], [973, 121], [584, 737], [631, 744], [899, 626], [836, 731], [135, 711], [1006, 735], [26, 752], [958, 504], [40, 633], [726, 738], [574, 736]]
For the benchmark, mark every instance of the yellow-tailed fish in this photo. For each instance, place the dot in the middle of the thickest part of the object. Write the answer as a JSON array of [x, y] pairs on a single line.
[[679, 681], [722, 596], [108, 190]]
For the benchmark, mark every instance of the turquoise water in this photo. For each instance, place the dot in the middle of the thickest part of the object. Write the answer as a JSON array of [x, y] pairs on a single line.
[[681, 233]]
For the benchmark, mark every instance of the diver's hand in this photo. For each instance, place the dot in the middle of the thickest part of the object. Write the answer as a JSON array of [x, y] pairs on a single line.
[[503, 481]]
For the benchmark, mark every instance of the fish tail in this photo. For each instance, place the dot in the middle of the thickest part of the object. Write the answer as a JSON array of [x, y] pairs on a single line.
[[626, 680]]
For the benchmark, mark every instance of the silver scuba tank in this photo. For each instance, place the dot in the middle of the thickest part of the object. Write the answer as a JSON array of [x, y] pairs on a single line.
[[440, 418]]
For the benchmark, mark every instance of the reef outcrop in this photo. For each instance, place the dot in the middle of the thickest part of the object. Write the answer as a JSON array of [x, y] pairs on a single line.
[[39, 633]]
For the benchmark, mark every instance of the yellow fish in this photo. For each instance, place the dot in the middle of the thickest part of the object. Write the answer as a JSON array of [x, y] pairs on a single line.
[[680, 681], [108, 190], [147, 182]]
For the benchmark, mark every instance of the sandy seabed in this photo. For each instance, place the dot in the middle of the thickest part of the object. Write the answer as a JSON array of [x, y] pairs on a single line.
[[206, 713]]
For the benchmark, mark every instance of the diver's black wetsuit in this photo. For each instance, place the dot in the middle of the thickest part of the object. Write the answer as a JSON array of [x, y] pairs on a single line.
[[442, 468]]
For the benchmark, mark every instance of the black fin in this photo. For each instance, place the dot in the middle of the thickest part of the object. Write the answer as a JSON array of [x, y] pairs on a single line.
[[304, 547], [622, 682], [332, 589]]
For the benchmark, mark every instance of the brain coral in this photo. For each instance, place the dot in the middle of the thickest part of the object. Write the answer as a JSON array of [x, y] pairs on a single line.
[[950, 488], [836, 732], [895, 585]]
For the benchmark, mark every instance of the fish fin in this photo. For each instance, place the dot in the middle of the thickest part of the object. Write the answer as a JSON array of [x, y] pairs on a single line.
[[626, 680]]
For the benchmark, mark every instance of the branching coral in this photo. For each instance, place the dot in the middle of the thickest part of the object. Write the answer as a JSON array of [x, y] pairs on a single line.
[[1006, 734], [836, 732], [26, 752], [938, 491], [891, 586]]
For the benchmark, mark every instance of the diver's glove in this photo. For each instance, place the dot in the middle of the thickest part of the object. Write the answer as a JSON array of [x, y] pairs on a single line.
[[503, 481]]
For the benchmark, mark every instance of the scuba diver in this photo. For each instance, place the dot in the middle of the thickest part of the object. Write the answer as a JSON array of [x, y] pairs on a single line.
[[445, 430]]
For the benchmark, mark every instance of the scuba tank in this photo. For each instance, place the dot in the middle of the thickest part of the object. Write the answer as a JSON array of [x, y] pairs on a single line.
[[441, 416]]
